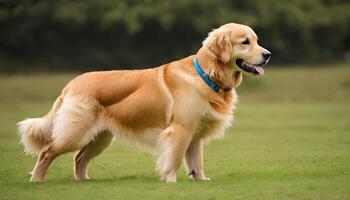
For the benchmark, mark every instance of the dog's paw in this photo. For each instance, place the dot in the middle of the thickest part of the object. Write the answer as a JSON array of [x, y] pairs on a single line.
[[201, 179], [205, 179], [171, 178], [86, 178], [36, 180], [197, 177]]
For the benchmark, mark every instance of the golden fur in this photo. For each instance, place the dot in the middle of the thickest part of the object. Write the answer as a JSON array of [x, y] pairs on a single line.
[[168, 109]]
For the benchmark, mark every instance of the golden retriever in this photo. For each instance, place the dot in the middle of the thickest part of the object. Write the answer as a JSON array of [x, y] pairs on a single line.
[[173, 109]]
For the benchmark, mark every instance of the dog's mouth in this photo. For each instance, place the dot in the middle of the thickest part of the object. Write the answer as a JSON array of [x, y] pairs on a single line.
[[250, 68]]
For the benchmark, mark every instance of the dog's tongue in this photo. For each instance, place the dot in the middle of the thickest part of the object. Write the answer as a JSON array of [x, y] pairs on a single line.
[[260, 70]]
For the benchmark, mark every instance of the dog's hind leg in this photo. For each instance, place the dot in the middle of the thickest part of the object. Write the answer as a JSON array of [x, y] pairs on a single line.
[[47, 155], [57, 147], [74, 126], [81, 160]]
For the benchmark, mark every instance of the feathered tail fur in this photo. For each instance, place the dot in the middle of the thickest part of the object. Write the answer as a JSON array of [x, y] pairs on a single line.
[[36, 133]]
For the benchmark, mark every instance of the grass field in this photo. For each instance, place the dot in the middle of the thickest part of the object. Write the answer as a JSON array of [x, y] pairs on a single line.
[[290, 140]]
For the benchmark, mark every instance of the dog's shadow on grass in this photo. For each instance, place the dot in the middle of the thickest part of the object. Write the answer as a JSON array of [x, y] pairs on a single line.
[[69, 180], [113, 179], [124, 178]]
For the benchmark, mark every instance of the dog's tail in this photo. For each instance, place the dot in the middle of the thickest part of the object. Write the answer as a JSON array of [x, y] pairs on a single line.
[[36, 133]]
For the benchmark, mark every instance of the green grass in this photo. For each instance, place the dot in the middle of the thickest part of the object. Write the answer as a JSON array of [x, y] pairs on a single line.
[[290, 140]]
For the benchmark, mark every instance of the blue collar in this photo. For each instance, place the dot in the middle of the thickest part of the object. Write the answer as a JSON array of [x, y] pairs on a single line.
[[206, 78]]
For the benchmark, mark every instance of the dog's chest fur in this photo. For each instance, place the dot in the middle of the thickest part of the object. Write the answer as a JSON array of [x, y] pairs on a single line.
[[216, 118], [194, 103]]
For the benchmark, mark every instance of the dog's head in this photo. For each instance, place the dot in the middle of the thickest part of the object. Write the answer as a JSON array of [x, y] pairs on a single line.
[[238, 44]]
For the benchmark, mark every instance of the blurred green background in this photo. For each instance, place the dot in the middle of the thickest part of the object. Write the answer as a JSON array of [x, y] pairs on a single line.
[[93, 34], [291, 135]]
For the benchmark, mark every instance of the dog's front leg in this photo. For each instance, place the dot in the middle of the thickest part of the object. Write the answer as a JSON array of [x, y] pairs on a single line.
[[194, 160], [172, 145]]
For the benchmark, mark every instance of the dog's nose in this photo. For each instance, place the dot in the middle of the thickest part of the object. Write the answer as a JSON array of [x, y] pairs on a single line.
[[267, 55]]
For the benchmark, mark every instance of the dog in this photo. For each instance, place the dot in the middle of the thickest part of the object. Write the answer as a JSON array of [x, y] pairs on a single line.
[[172, 109]]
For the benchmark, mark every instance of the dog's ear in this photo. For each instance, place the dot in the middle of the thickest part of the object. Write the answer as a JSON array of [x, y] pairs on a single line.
[[219, 43]]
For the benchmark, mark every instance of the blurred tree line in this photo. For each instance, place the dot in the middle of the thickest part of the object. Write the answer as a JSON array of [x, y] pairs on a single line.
[[113, 34]]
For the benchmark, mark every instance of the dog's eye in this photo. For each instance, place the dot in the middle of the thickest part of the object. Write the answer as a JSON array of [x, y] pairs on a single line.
[[246, 41]]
